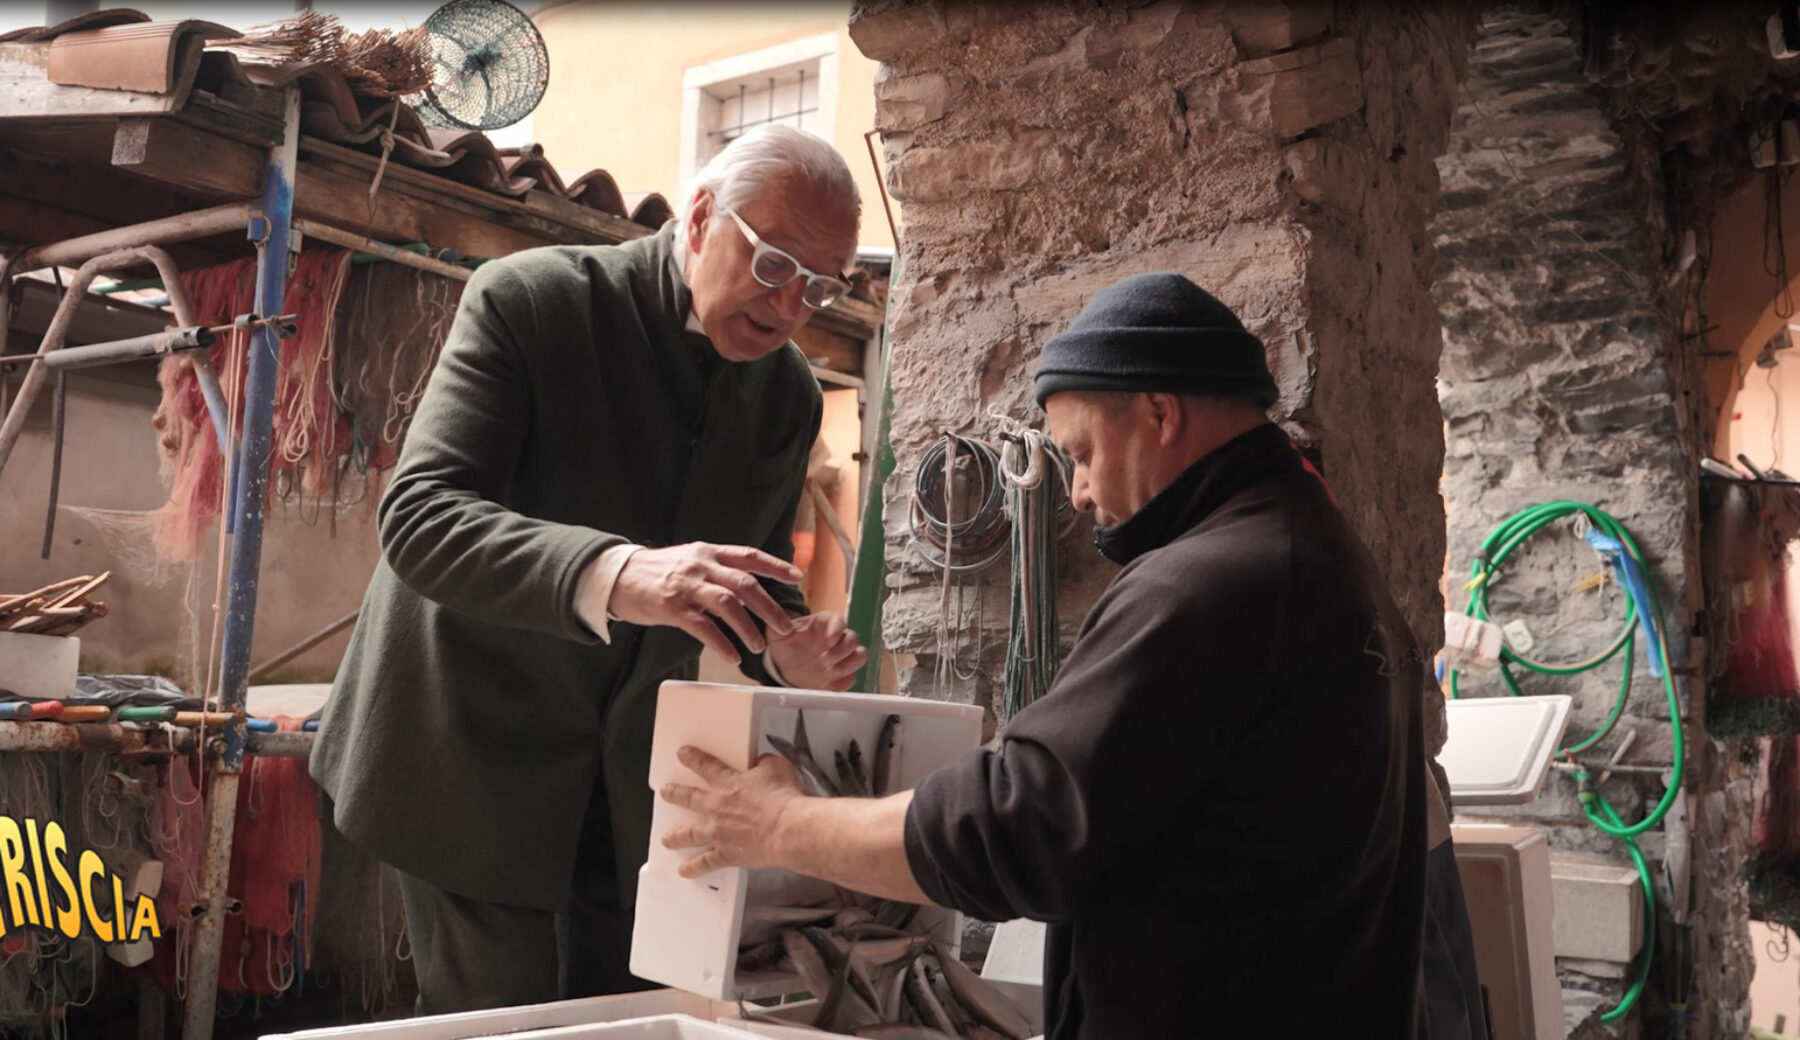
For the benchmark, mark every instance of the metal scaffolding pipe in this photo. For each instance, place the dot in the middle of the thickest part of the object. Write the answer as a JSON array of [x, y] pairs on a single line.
[[304, 645], [93, 355], [180, 228], [13, 423], [84, 736], [115, 739], [337, 237], [250, 479]]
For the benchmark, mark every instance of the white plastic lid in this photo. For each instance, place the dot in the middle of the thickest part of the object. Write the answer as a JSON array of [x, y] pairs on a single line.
[[1500, 747]]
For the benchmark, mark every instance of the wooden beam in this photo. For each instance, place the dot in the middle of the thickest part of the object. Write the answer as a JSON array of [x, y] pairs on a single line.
[[836, 352], [211, 112], [170, 151], [165, 151], [857, 319], [400, 218], [542, 214]]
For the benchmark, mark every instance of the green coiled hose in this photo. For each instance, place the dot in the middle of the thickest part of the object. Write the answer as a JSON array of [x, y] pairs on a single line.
[[1495, 549]]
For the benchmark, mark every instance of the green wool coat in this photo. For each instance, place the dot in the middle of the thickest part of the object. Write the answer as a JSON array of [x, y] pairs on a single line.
[[570, 411]]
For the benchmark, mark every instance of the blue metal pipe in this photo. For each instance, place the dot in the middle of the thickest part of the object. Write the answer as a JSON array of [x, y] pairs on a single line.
[[269, 230]]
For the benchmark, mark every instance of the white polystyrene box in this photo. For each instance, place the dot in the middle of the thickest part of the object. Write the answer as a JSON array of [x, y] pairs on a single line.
[[1499, 748], [658, 1013], [661, 1027], [39, 668], [686, 930]]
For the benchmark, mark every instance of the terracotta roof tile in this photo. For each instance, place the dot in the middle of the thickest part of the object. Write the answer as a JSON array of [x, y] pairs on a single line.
[[122, 49]]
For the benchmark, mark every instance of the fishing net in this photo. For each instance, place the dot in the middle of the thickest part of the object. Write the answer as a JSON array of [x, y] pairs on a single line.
[[1754, 687], [367, 336], [392, 321], [101, 803], [308, 430], [275, 864]]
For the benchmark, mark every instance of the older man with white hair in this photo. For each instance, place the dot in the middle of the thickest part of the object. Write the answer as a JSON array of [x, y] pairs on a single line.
[[601, 479]]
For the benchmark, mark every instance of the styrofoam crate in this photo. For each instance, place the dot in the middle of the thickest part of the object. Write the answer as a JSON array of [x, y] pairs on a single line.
[[1016, 953], [686, 930], [537, 1019], [39, 668], [662, 1027]]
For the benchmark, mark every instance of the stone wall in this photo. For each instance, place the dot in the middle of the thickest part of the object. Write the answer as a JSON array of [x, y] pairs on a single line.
[[1560, 381], [1279, 155]]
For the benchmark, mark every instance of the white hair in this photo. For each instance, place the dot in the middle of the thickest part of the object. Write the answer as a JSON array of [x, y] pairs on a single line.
[[736, 174]]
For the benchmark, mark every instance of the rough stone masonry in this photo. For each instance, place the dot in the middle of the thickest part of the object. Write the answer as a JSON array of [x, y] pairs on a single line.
[[1278, 154], [1558, 383]]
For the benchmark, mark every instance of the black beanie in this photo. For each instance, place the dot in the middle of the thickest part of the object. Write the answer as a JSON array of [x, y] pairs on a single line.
[[1156, 333]]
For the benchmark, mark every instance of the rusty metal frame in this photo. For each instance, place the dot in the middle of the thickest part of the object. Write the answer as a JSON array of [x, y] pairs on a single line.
[[268, 224]]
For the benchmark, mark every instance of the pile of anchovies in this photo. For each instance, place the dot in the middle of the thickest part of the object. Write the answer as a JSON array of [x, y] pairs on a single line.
[[875, 972]]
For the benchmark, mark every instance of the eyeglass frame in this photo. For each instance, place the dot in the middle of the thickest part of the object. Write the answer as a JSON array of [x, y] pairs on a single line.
[[759, 247]]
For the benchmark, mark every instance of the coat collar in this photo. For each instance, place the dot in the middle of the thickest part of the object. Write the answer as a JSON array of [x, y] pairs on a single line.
[[1249, 459]]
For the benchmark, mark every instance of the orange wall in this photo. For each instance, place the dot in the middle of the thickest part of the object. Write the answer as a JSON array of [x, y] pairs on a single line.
[[1740, 299], [1759, 417]]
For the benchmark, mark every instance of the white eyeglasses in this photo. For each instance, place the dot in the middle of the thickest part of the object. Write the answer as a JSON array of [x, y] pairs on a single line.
[[775, 268]]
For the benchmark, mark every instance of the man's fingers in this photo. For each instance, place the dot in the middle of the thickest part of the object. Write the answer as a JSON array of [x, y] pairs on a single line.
[[705, 863], [758, 562], [850, 663], [701, 627], [722, 604], [682, 795], [711, 769], [689, 837], [750, 592]]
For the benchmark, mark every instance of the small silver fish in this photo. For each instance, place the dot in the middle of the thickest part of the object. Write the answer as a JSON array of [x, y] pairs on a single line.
[[808, 964], [851, 916], [881, 775], [765, 923], [925, 1002], [851, 998], [987, 1004], [812, 778], [848, 781], [858, 772], [761, 957]]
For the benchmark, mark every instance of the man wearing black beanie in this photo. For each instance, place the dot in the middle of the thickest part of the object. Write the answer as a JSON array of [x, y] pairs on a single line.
[[1222, 806]]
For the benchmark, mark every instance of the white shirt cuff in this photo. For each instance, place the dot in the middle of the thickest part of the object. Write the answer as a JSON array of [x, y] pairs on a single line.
[[768, 658], [593, 593]]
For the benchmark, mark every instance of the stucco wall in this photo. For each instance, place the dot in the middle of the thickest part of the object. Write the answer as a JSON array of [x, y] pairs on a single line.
[[110, 462]]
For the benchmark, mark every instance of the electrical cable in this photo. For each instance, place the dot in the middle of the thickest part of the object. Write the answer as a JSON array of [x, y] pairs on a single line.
[[1628, 560], [976, 541], [1034, 501]]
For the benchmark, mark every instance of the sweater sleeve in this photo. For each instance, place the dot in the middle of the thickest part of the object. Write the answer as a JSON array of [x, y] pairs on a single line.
[[1137, 720], [443, 525]]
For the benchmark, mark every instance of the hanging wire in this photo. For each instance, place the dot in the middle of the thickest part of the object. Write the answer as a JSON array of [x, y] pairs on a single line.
[[966, 540], [1775, 244], [1030, 466]]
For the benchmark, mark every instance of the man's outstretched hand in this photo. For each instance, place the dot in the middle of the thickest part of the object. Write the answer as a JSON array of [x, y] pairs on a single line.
[[819, 654], [687, 586]]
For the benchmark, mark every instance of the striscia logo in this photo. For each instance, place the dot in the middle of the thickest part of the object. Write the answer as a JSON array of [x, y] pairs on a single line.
[[39, 890]]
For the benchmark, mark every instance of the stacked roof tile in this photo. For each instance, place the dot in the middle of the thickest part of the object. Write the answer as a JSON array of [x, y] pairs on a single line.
[[122, 49]]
